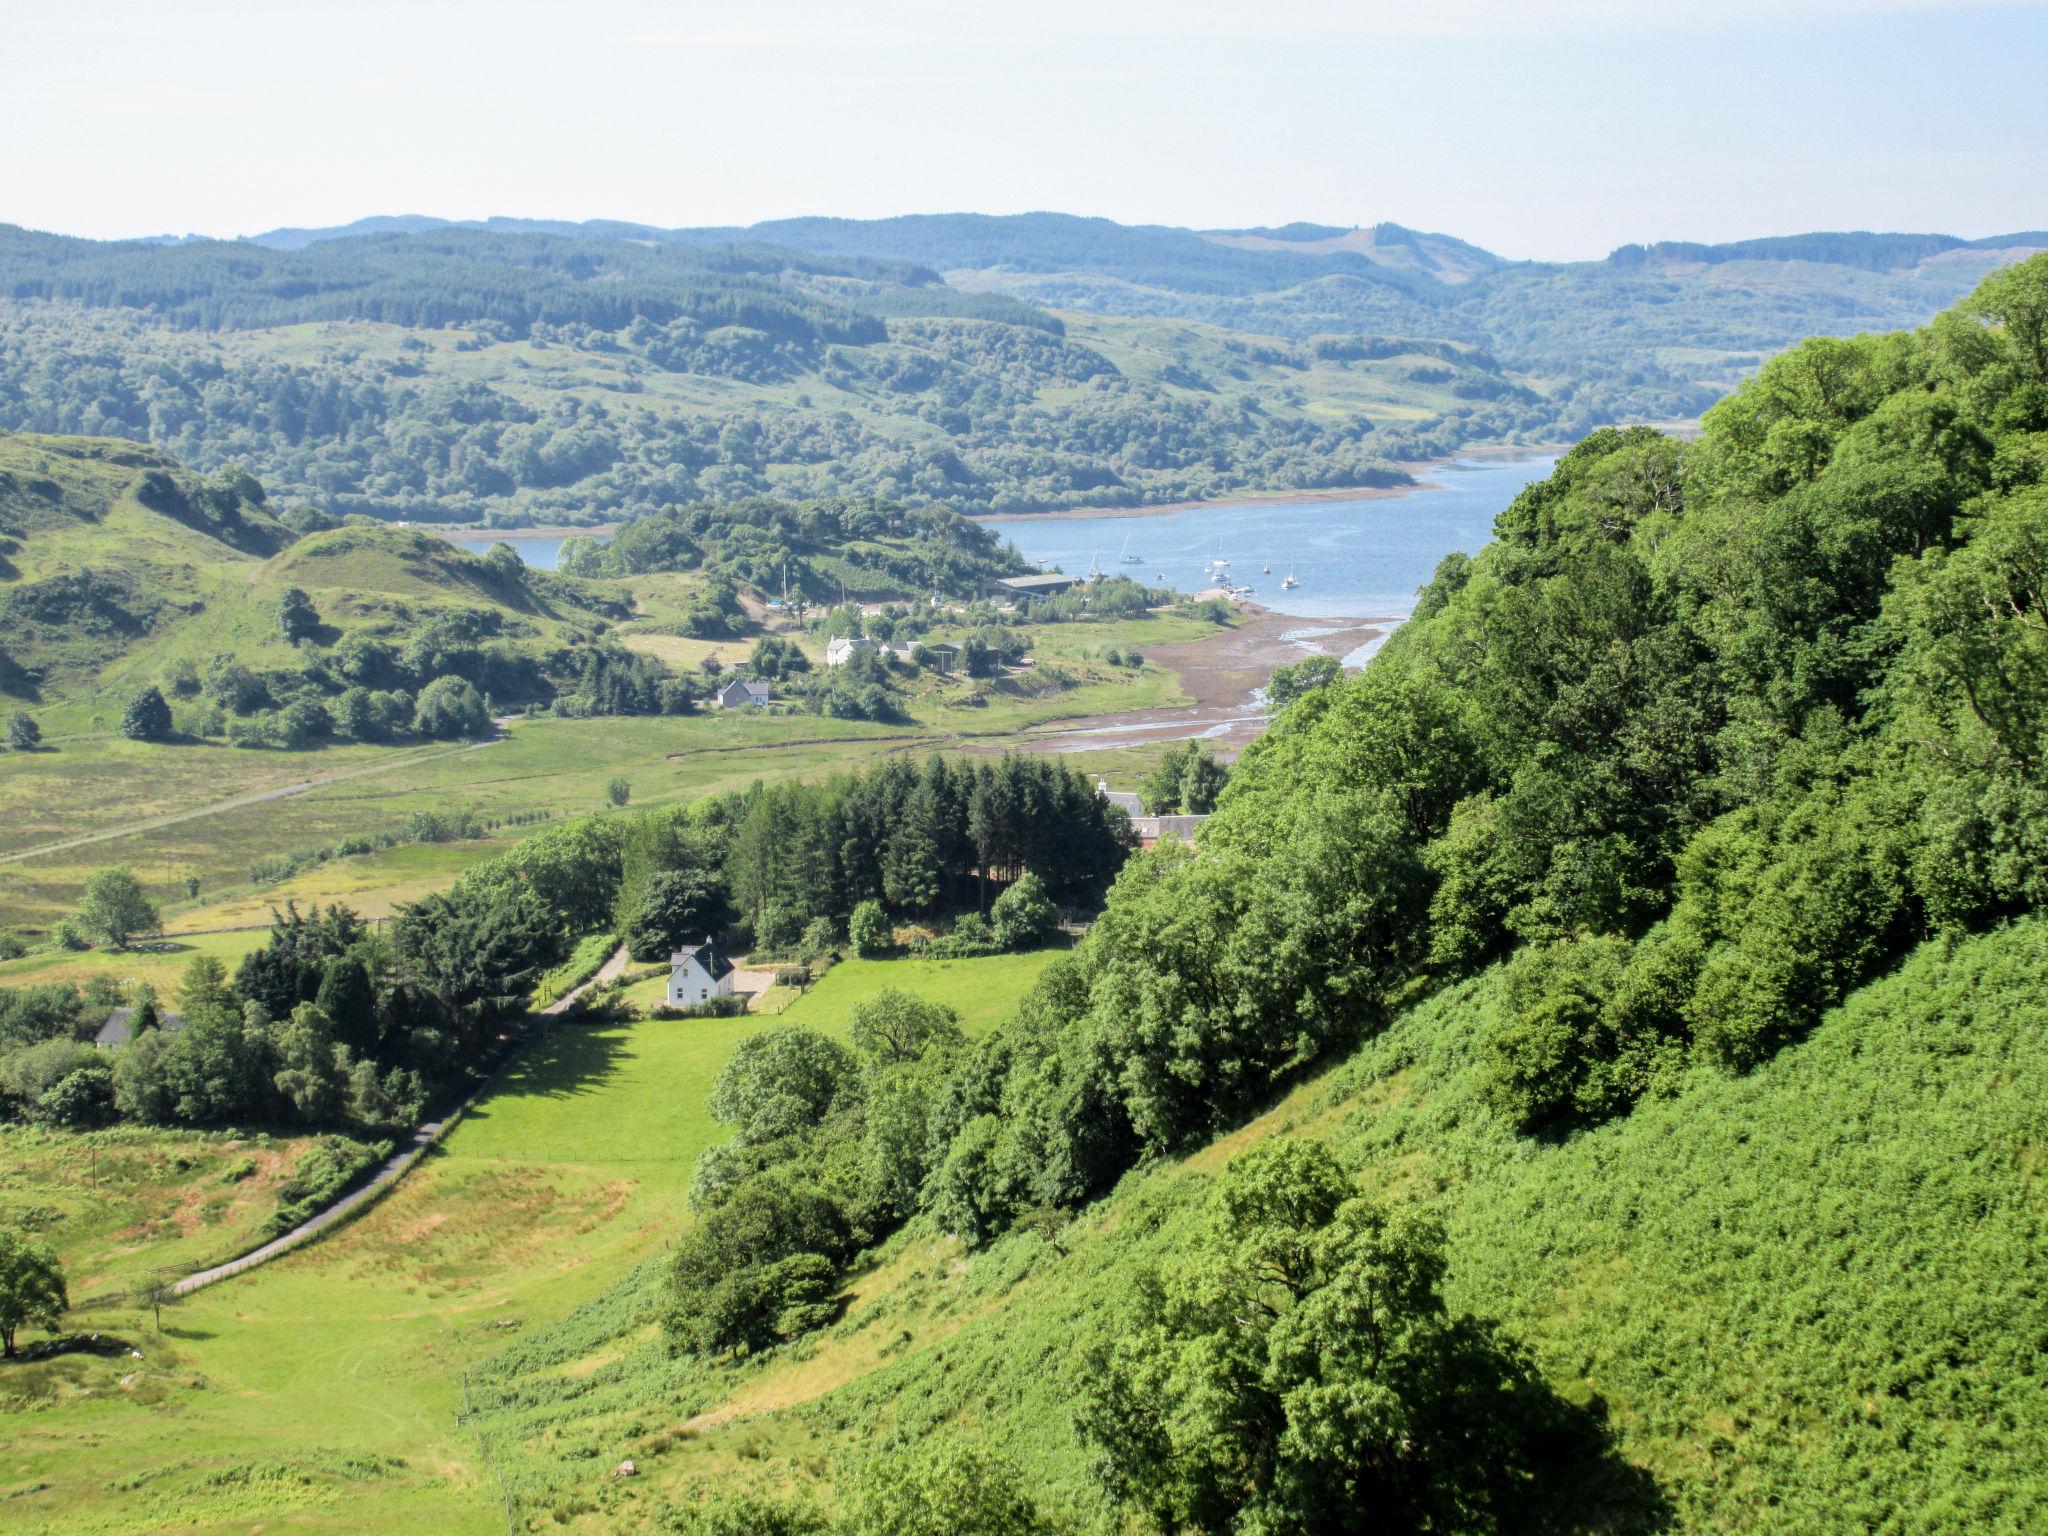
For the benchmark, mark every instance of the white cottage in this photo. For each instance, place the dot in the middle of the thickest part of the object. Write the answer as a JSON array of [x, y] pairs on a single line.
[[696, 975], [841, 649]]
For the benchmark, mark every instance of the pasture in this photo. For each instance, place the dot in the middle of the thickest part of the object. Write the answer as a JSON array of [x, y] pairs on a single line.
[[326, 1388]]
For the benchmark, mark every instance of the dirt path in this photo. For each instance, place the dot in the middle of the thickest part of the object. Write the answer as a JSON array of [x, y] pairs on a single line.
[[393, 1168], [156, 822], [609, 971]]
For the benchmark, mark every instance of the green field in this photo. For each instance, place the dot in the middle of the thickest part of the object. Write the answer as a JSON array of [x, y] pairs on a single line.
[[91, 786], [125, 1203], [325, 1387], [1766, 1284]]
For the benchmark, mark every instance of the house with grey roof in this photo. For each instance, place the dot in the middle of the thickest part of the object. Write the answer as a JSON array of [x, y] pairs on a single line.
[[120, 1026], [697, 974]]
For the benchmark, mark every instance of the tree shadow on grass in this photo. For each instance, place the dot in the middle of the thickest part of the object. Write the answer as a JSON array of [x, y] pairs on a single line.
[[560, 1062], [1547, 1466]]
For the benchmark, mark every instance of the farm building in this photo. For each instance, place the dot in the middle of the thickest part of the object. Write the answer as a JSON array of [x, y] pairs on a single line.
[[698, 974]]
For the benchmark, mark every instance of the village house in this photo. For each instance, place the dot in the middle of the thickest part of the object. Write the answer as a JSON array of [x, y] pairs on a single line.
[[1133, 805], [1045, 584], [742, 694], [120, 1027], [841, 650], [698, 974]]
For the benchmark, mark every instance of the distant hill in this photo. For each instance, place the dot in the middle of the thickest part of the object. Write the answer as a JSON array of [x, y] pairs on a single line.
[[520, 371], [117, 566]]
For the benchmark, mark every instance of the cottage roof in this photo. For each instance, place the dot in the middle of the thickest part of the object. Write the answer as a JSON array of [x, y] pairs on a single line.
[[1047, 581], [1164, 828], [120, 1026], [715, 965], [1133, 804]]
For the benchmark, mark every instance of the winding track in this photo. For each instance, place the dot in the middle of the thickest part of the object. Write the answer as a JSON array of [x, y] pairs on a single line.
[[395, 1167], [151, 825]]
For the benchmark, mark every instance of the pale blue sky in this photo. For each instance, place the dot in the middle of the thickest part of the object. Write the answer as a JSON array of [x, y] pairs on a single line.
[[1552, 131]]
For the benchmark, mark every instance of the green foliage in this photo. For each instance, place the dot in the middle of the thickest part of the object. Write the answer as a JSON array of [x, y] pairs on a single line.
[[31, 1286], [867, 928], [759, 1267], [297, 619], [1291, 682], [940, 1489], [783, 1081], [1299, 1369], [451, 707], [1024, 915], [115, 908], [23, 734], [147, 718], [1184, 782], [892, 1027], [674, 907]]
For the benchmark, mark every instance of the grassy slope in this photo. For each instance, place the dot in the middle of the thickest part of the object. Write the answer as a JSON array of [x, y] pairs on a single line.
[[70, 504], [324, 1389], [1806, 1298], [127, 1202]]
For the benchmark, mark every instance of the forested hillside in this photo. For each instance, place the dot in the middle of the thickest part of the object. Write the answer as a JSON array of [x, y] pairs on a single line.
[[125, 576], [524, 372], [1672, 883]]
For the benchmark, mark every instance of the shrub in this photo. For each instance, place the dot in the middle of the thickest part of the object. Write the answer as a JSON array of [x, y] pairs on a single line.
[[147, 718], [867, 930]]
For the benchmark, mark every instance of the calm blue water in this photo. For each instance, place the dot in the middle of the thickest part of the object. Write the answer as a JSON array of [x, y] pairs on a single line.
[[1356, 559], [540, 553]]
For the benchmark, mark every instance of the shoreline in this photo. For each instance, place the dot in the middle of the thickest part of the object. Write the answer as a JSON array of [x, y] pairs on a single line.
[[1223, 676], [1420, 470], [1168, 508]]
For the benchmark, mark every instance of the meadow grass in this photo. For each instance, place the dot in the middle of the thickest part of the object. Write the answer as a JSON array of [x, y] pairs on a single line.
[[984, 991], [547, 765], [127, 1202], [323, 1390], [160, 962]]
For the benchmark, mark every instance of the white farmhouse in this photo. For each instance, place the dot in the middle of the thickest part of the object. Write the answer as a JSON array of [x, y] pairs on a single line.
[[696, 975], [742, 694], [841, 650]]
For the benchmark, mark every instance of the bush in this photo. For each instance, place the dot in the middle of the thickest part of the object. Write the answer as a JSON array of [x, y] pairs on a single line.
[[867, 930], [1024, 916], [147, 718], [727, 1006], [450, 707]]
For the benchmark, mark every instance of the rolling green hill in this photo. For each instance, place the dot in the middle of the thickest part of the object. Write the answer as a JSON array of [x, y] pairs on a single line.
[[1655, 932], [521, 372], [122, 568], [1797, 1300]]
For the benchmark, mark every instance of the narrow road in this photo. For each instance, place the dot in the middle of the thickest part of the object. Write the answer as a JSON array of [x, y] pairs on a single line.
[[154, 823], [394, 1167], [609, 971]]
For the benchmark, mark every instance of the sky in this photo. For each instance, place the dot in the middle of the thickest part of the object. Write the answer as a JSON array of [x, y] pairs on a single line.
[[1550, 131]]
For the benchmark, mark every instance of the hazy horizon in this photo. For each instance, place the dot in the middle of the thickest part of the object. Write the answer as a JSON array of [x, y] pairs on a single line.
[[544, 218], [1549, 138]]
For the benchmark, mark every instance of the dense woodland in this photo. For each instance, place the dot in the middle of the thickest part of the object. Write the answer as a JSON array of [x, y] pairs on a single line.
[[334, 1023], [1708, 738], [866, 374]]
